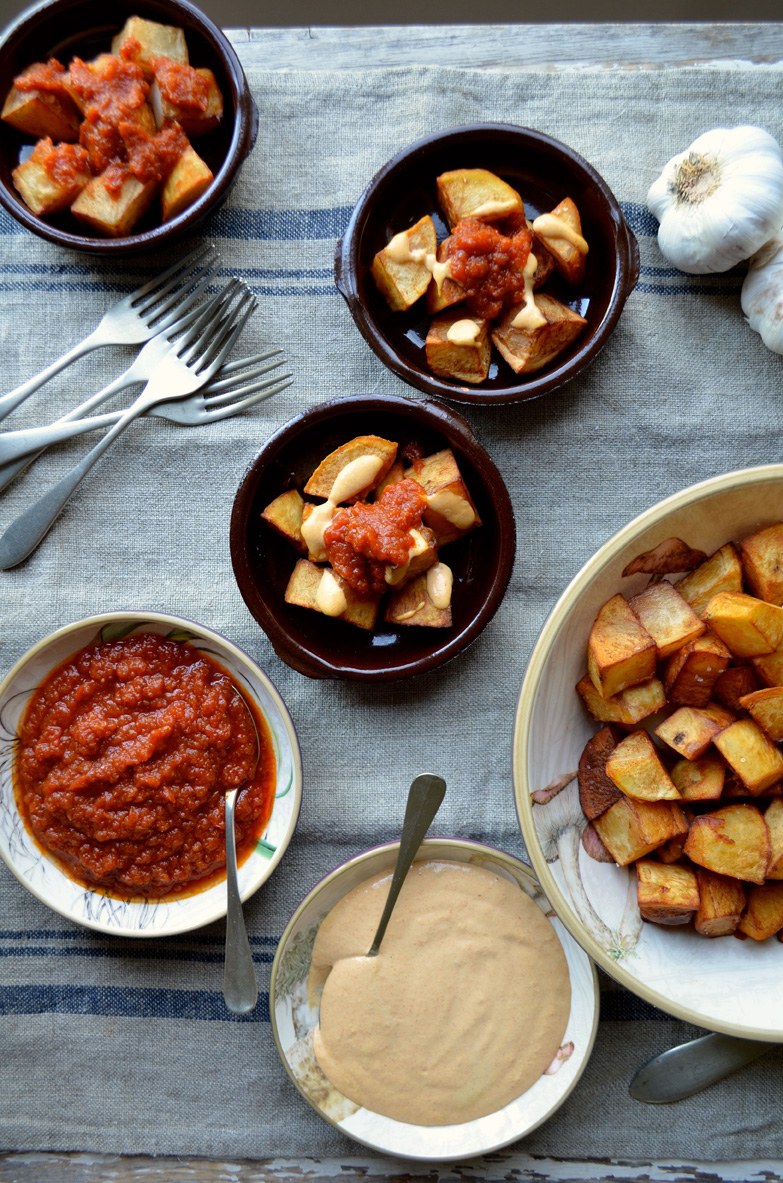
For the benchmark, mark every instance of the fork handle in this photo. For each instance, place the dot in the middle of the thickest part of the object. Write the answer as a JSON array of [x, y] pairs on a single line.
[[14, 397], [30, 528]]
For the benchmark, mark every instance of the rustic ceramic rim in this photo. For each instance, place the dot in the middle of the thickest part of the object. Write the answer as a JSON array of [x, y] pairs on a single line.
[[535, 671], [347, 267], [432, 847], [142, 615], [447, 422], [243, 137]]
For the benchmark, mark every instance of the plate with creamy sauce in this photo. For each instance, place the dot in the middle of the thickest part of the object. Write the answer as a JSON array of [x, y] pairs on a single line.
[[468, 1030]]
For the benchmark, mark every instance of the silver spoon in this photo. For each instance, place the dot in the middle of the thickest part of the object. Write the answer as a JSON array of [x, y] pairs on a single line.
[[691, 1067], [424, 799], [240, 987]]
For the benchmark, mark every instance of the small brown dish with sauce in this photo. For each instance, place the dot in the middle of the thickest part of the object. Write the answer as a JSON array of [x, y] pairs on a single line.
[[544, 172], [481, 561], [67, 29]]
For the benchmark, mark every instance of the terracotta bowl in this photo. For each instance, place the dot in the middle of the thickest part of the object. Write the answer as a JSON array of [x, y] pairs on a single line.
[[63, 28], [293, 1018], [719, 983], [543, 171], [263, 561]]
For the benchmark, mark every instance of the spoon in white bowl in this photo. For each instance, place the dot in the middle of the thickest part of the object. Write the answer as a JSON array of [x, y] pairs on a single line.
[[424, 799], [240, 986], [691, 1067]]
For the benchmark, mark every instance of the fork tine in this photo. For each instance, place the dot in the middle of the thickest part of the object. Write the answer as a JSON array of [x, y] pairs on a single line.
[[264, 391], [243, 362], [247, 373], [191, 343], [221, 340], [179, 303], [158, 286]]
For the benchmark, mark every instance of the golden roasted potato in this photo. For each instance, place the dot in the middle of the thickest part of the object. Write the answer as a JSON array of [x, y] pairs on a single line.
[[190, 177], [766, 707], [597, 792], [734, 683], [114, 216], [450, 511], [476, 193], [720, 572], [399, 270], [631, 829], [412, 605], [748, 751], [422, 556], [565, 244], [748, 626], [763, 915], [628, 707], [192, 120], [150, 40], [529, 349], [666, 894], [635, 767], [761, 555], [458, 346], [322, 481], [693, 671], [731, 841], [42, 114], [774, 820], [41, 191], [689, 731], [303, 587], [620, 652], [449, 292], [701, 779], [284, 515], [769, 667], [667, 617], [721, 903]]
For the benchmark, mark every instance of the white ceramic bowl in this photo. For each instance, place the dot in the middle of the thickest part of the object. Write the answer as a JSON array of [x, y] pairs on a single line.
[[293, 1019], [44, 878], [722, 983]]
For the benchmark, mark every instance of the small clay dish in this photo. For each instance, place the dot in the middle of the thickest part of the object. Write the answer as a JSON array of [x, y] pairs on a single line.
[[482, 561], [543, 171], [65, 28]]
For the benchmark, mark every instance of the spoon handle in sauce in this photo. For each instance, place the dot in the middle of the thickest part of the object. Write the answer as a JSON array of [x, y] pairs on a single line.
[[691, 1067], [424, 799], [240, 986]]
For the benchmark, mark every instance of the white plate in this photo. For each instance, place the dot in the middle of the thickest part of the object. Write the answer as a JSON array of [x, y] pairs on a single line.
[[293, 1019], [44, 878]]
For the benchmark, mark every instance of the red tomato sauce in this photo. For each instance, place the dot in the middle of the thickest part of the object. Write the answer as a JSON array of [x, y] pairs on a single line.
[[65, 163], [126, 752], [181, 85], [361, 539], [47, 76], [489, 265]]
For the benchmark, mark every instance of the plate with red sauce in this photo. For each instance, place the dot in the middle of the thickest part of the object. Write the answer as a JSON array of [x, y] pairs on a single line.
[[119, 737]]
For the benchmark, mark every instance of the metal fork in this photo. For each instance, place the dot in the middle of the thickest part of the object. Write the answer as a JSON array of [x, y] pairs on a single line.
[[153, 307], [190, 362]]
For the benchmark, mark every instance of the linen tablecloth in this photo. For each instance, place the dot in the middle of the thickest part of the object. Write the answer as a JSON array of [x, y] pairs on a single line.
[[125, 1046]]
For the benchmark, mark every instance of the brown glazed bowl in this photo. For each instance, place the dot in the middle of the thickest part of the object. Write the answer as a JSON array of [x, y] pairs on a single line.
[[543, 171], [482, 561], [64, 28]]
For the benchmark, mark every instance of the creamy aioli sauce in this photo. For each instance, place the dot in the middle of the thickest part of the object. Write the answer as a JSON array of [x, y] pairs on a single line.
[[494, 209], [548, 226], [399, 251], [394, 575], [330, 597], [529, 317], [440, 580], [462, 1010], [463, 332], [356, 476], [453, 508]]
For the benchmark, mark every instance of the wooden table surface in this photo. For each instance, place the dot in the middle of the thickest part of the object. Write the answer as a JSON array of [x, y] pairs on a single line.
[[522, 47]]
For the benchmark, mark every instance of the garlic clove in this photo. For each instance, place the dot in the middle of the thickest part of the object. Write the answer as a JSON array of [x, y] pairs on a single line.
[[762, 294]]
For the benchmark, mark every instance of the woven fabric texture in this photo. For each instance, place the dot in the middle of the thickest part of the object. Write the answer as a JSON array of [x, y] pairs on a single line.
[[125, 1046]]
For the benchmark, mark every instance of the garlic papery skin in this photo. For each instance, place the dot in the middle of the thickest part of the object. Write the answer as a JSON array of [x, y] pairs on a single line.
[[719, 201], [762, 294]]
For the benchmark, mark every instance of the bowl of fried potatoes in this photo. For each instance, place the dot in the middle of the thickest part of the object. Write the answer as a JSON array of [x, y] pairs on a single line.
[[119, 133], [372, 538], [648, 755], [487, 264]]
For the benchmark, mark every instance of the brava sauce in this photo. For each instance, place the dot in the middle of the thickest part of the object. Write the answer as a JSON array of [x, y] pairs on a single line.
[[126, 752]]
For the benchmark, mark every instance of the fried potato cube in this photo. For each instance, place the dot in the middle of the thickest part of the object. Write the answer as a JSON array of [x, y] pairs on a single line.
[[746, 749], [422, 555], [597, 792], [450, 511], [458, 346], [40, 190], [545, 260], [733, 684], [284, 515], [150, 40], [671, 851], [747, 626], [668, 618], [635, 767], [400, 273], [629, 706], [666, 894], [763, 915], [693, 671], [631, 829], [190, 177], [476, 193], [689, 731], [449, 292], [114, 216], [774, 819], [620, 652], [42, 113], [527, 350], [721, 903], [192, 120], [761, 555], [720, 572], [395, 474], [766, 707], [732, 841], [701, 779], [303, 587], [412, 605], [322, 481], [569, 259], [769, 667]]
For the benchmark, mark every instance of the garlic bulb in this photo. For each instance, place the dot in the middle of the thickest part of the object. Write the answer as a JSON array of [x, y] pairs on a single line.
[[762, 295], [719, 201]]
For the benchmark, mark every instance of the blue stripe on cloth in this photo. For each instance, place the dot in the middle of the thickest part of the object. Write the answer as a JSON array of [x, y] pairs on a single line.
[[125, 1002], [130, 952]]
